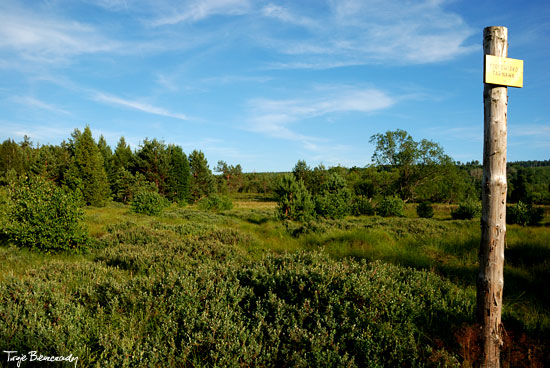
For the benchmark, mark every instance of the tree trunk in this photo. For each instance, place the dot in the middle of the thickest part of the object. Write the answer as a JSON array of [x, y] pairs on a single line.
[[490, 281]]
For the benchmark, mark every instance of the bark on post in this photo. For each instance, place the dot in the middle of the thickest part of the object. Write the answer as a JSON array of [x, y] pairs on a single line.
[[490, 281]]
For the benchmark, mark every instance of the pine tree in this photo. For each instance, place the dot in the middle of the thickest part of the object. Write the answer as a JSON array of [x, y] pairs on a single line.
[[201, 181], [87, 171], [177, 183], [122, 156], [106, 153]]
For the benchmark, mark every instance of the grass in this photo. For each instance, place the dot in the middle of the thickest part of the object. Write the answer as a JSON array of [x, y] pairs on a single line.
[[138, 256]]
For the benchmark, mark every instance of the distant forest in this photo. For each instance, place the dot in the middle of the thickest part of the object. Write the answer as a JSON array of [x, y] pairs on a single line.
[[415, 171]]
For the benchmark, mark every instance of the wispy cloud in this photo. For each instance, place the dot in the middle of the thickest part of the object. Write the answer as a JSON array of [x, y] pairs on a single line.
[[363, 32], [197, 10], [36, 103], [137, 105], [274, 117], [44, 38]]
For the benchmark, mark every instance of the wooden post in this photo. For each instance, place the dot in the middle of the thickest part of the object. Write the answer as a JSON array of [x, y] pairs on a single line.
[[490, 281]]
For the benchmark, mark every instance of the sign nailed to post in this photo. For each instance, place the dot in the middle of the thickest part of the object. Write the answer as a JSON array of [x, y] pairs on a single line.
[[503, 71]]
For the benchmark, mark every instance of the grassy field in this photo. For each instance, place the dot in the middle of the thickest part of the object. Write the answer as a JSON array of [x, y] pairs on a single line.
[[239, 288]]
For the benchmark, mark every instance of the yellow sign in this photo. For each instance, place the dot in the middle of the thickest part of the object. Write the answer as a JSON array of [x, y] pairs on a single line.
[[503, 71]]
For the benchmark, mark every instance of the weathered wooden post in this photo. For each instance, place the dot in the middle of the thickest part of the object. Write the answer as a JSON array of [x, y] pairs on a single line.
[[499, 72]]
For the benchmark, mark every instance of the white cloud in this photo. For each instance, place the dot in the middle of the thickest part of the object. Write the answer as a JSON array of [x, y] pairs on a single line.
[[200, 9], [273, 117], [137, 105], [33, 102], [372, 31], [40, 37], [284, 15]]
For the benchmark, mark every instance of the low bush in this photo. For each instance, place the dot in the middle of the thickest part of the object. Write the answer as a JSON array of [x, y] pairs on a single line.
[[524, 214], [467, 210], [148, 203], [362, 206], [425, 210], [215, 203], [390, 206], [41, 216]]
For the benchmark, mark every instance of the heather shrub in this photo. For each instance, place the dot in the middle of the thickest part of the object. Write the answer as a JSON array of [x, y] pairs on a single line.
[[41, 216], [148, 203]]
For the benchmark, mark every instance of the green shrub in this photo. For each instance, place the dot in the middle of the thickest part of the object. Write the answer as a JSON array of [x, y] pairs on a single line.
[[148, 203], [215, 203], [524, 214], [334, 201], [41, 216], [362, 206], [467, 210], [390, 206], [293, 199], [425, 210]]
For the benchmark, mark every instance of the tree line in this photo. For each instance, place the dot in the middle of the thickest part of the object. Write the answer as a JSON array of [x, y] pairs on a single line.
[[414, 171]]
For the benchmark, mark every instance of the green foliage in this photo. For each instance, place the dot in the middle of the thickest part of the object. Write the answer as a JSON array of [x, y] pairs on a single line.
[[293, 199], [334, 200], [362, 206], [43, 217], [425, 210], [148, 203], [390, 206], [524, 214], [467, 210], [415, 161], [87, 170], [177, 182], [215, 203], [202, 181]]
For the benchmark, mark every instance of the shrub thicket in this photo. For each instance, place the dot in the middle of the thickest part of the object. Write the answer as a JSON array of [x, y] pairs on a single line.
[[524, 214], [425, 210], [41, 216], [148, 203], [467, 210], [215, 203], [362, 206], [390, 206]]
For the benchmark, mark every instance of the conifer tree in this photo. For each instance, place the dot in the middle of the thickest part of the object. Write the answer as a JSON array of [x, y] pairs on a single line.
[[177, 183], [87, 171], [201, 180]]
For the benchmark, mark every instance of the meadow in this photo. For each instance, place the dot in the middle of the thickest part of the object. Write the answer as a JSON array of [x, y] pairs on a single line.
[[241, 288]]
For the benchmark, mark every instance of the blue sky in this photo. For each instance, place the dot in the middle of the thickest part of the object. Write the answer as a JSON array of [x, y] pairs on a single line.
[[267, 83]]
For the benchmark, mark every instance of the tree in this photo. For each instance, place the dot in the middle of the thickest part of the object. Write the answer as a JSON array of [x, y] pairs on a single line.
[[334, 201], [201, 180], [122, 156], [152, 160], [106, 153], [52, 162], [87, 170], [293, 199], [177, 183], [232, 176], [416, 162]]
